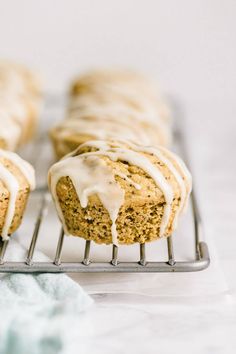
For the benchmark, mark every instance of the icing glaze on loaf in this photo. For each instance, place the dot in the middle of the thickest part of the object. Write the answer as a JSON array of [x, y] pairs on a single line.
[[102, 128], [90, 175], [19, 101], [143, 113], [142, 110], [127, 86], [11, 183], [121, 95]]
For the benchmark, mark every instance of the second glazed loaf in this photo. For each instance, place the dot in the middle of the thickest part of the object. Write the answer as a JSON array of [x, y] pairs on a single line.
[[112, 104]]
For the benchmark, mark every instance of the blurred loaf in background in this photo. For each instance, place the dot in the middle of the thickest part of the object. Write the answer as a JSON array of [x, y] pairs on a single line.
[[20, 101], [112, 104]]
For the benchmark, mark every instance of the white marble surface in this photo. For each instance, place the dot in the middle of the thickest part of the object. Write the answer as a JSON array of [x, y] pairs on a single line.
[[183, 324]]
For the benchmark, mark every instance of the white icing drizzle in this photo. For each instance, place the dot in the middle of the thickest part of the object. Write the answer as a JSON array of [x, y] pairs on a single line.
[[132, 94], [179, 162], [123, 95], [94, 180], [25, 168], [12, 185], [132, 88], [138, 159], [16, 101], [102, 128], [89, 175], [81, 106], [182, 178], [118, 110]]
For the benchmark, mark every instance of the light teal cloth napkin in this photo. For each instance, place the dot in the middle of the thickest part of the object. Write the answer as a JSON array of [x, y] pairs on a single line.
[[40, 314]]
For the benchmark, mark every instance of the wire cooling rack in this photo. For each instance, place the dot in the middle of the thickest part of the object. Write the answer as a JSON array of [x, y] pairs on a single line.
[[170, 263]]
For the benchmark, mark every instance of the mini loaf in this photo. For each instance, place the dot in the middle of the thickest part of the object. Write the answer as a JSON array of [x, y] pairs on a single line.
[[125, 87], [119, 192], [19, 105], [102, 102], [16, 181], [71, 133]]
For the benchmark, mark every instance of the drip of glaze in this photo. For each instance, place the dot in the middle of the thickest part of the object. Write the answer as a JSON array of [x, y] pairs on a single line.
[[120, 111], [174, 164], [16, 99], [90, 175], [25, 168], [12, 185], [181, 174], [102, 129], [184, 171], [134, 95]]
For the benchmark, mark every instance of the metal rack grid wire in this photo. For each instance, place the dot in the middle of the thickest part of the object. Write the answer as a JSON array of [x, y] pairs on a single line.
[[200, 261]]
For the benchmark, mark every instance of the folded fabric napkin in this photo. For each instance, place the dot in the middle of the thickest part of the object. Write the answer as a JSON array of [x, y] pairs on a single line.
[[40, 313]]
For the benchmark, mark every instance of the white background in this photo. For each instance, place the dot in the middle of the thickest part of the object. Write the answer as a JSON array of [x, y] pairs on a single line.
[[189, 45]]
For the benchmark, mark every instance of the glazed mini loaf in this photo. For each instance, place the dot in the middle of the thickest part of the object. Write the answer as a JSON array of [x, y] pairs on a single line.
[[125, 87], [19, 104], [119, 192], [101, 102], [71, 133], [16, 181]]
